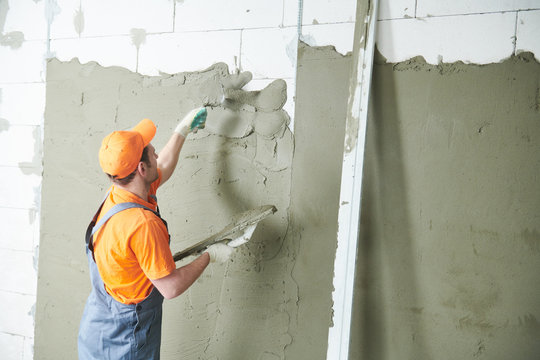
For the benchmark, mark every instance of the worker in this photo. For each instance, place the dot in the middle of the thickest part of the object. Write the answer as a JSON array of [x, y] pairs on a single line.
[[127, 245]]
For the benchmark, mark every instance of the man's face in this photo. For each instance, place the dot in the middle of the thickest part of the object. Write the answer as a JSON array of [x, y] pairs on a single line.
[[152, 174]]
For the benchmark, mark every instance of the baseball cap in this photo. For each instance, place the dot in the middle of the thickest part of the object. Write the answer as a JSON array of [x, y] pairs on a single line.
[[121, 151]]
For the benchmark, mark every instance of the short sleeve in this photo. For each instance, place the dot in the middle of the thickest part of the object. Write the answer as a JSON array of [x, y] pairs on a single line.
[[150, 244]]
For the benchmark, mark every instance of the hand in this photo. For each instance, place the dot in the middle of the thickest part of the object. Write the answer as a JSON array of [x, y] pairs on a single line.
[[219, 252], [194, 120]]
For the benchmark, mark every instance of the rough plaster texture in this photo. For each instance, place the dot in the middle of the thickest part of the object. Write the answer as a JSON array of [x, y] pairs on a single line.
[[273, 300], [321, 107], [449, 254], [242, 309]]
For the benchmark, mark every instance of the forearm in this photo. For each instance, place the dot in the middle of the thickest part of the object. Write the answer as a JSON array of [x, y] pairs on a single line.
[[182, 278], [168, 156]]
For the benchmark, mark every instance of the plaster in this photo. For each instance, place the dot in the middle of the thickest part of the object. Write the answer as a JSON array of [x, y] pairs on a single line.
[[78, 21], [273, 299], [448, 256], [13, 39], [237, 310], [4, 124]]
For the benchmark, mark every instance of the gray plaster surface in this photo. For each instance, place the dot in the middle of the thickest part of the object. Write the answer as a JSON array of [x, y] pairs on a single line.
[[449, 254], [241, 309]]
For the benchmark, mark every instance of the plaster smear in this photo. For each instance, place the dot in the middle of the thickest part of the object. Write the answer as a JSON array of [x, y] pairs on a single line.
[[242, 160], [13, 39], [447, 261]]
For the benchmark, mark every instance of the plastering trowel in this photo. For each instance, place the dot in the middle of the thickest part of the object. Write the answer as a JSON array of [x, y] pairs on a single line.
[[235, 234]]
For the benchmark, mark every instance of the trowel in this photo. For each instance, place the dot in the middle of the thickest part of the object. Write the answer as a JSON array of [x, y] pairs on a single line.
[[237, 233]]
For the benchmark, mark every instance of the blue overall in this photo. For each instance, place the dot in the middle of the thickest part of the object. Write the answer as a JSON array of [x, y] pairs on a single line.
[[113, 330]]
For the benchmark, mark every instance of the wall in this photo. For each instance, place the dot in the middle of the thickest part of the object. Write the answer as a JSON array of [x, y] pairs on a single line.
[[449, 247], [241, 160], [166, 36]]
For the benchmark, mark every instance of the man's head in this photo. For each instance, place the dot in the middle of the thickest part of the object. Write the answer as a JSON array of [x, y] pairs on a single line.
[[122, 151]]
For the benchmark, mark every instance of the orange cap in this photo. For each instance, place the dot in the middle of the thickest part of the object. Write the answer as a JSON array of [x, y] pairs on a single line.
[[121, 151]]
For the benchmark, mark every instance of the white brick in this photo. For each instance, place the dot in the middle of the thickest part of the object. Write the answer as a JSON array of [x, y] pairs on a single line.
[[17, 229], [528, 32], [290, 12], [458, 7], [172, 53], [18, 272], [338, 35], [320, 12], [107, 51], [18, 145], [17, 317], [395, 9], [473, 38], [19, 190], [276, 59], [11, 346], [195, 15], [26, 16], [22, 104], [107, 18], [25, 64]]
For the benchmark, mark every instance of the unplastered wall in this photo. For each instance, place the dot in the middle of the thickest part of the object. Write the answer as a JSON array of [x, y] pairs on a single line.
[[171, 36]]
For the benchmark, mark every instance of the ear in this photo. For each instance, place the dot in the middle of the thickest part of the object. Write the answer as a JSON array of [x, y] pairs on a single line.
[[141, 168]]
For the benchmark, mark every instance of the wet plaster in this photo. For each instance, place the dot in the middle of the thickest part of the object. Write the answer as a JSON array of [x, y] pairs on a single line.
[[321, 108], [448, 257], [240, 310]]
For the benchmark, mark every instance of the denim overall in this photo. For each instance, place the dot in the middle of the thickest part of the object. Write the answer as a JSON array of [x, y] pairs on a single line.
[[113, 330]]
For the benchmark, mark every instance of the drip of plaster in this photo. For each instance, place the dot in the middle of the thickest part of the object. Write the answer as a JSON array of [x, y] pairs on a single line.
[[4, 8], [13, 39], [34, 167], [224, 169], [4, 125], [78, 21], [138, 37]]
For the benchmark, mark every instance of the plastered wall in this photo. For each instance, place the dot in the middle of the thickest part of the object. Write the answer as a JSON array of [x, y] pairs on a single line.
[[166, 36], [449, 249], [241, 160]]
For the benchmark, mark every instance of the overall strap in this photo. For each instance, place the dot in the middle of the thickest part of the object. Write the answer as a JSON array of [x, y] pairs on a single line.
[[115, 210], [93, 227]]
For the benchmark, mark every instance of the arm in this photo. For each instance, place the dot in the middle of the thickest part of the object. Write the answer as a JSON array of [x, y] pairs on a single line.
[[168, 156], [181, 278]]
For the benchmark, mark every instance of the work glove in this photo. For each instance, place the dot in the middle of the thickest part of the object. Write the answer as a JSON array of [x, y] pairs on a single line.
[[193, 121], [219, 253]]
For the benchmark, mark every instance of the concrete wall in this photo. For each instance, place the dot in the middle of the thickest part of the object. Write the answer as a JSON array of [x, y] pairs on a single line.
[[166, 36]]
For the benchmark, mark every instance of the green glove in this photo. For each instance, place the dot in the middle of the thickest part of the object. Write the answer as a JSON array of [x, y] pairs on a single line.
[[193, 121]]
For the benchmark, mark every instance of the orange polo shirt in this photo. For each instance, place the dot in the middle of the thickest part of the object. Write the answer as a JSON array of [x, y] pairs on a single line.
[[132, 247]]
